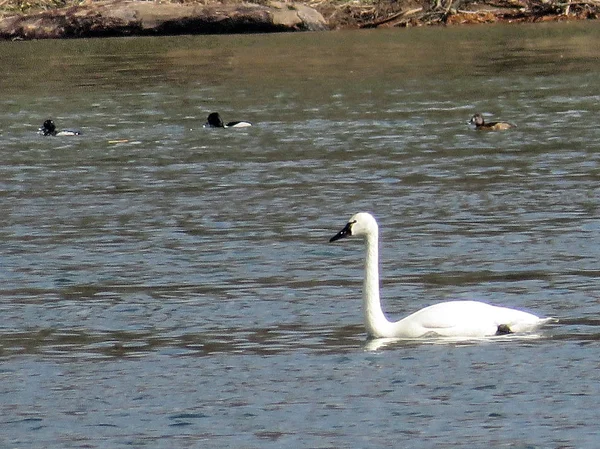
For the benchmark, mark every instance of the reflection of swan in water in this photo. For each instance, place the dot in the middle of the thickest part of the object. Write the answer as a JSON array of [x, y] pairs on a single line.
[[447, 319], [376, 344]]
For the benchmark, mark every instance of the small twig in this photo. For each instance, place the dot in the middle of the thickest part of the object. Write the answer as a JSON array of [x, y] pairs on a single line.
[[391, 18], [480, 11], [410, 12]]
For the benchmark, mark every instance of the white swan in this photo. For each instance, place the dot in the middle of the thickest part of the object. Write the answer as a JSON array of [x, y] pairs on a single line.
[[447, 319]]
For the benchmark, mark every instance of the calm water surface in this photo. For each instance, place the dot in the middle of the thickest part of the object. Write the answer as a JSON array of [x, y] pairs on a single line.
[[164, 285]]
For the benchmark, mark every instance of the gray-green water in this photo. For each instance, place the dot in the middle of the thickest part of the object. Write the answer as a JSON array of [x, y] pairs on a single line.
[[164, 285]]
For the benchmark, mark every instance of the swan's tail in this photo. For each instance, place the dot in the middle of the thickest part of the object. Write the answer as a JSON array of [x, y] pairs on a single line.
[[525, 326], [544, 321], [549, 320]]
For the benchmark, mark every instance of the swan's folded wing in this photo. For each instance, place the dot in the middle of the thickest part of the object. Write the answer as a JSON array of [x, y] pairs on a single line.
[[460, 318]]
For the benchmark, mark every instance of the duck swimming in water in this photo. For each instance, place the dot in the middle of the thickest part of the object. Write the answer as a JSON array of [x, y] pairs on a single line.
[[214, 121], [48, 128], [479, 123]]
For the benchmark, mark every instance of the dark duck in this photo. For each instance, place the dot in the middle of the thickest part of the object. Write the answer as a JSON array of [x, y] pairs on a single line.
[[214, 121], [48, 128]]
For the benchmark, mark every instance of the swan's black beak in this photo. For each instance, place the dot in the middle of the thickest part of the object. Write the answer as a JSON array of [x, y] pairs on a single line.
[[347, 231]]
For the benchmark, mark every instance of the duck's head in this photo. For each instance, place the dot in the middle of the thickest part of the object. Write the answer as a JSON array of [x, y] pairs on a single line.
[[214, 120], [48, 128], [477, 120]]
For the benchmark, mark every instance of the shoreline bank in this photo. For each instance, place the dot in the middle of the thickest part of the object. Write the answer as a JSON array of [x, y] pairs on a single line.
[[71, 19]]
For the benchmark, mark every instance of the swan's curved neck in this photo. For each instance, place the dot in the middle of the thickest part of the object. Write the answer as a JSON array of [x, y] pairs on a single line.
[[376, 323]]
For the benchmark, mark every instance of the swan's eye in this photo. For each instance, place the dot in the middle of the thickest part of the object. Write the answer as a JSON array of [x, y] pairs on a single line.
[[350, 224]]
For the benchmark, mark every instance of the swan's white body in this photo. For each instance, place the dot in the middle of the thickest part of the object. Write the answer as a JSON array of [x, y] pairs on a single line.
[[469, 319]]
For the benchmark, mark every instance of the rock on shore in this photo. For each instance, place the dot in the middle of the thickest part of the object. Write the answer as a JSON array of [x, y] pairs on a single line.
[[125, 18]]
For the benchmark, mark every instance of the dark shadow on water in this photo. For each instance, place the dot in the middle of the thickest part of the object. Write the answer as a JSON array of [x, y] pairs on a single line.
[[78, 343], [85, 344]]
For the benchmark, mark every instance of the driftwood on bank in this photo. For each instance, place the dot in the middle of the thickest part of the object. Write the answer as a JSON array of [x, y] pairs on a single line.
[[125, 18], [406, 13]]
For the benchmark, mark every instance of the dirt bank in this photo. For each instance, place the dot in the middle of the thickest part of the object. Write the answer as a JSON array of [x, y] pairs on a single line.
[[22, 19]]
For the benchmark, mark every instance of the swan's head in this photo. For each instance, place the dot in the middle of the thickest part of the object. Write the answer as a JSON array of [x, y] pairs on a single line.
[[360, 224]]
